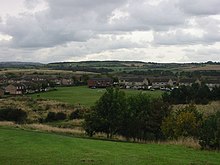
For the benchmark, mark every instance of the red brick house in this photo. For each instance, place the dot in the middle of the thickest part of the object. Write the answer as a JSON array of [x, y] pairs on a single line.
[[100, 82]]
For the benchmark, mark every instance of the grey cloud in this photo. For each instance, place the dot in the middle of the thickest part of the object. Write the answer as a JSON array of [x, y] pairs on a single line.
[[96, 45], [33, 31], [165, 14], [209, 26], [78, 20], [200, 7]]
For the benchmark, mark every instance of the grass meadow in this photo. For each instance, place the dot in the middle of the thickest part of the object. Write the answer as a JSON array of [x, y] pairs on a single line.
[[83, 95], [33, 147]]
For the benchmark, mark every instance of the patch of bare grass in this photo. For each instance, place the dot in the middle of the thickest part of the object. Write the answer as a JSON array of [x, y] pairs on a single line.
[[187, 142], [47, 128], [208, 109], [8, 123]]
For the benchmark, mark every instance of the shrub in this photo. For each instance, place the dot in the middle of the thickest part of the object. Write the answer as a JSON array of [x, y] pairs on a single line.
[[52, 116], [10, 114], [185, 122], [210, 132], [78, 113], [74, 115], [60, 116]]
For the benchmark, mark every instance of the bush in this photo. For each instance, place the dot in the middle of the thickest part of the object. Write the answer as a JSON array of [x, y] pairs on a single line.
[[16, 115], [78, 113], [52, 116], [210, 132], [185, 122], [60, 116], [75, 115]]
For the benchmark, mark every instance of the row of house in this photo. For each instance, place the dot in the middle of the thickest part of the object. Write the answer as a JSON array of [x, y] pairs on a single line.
[[148, 82], [32, 83], [142, 83], [52, 79]]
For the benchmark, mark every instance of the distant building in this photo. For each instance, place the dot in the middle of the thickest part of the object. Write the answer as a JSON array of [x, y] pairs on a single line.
[[16, 89], [100, 82], [133, 82], [212, 83], [158, 83], [188, 81], [67, 82]]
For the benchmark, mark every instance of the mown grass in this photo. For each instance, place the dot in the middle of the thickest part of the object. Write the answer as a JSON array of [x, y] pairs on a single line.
[[83, 95], [31, 147]]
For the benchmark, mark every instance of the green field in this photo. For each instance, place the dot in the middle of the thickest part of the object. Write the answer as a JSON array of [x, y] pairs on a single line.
[[83, 95], [30, 147]]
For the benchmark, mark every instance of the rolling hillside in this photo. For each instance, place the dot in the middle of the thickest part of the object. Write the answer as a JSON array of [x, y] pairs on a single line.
[[31, 147]]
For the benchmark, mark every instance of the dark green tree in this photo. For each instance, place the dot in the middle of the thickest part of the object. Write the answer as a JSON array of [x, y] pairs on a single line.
[[107, 114], [210, 132], [143, 119]]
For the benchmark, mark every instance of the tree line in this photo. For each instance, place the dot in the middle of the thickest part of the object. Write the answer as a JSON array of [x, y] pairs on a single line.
[[196, 93]]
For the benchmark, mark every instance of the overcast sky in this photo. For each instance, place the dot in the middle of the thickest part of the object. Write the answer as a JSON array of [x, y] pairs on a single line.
[[78, 30]]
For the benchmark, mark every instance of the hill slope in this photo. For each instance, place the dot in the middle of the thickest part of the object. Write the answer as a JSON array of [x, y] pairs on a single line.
[[29, 147]]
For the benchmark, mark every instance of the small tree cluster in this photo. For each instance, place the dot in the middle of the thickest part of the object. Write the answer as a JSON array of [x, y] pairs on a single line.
[[138, 117], [195, 93]]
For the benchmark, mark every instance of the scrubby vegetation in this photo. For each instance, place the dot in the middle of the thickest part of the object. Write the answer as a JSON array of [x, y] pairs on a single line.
[[184, 122]]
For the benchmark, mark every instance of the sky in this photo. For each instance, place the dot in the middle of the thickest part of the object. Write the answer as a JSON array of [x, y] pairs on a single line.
[[46, 31]]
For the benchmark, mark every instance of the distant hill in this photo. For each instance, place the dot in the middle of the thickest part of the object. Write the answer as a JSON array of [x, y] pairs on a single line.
[[118, 66], [20, 64]]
